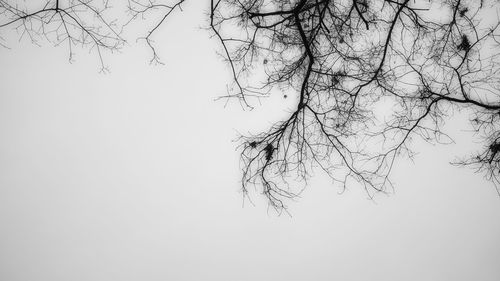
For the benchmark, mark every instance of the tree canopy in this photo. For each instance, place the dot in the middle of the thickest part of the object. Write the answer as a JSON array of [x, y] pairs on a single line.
[[367, 76]]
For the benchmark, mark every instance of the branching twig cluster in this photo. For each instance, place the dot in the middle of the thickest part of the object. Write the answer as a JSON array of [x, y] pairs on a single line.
[[141, 9], [94, 25], [347, 59]]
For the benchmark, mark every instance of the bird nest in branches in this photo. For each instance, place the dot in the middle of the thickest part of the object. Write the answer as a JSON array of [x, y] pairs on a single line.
[[464, 44], [269, 151]]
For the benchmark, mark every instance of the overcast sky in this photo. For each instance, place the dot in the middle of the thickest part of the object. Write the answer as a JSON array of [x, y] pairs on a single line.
[[133, 175]]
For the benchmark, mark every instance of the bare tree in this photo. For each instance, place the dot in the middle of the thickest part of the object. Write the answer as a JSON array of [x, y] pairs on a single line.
[[95, 25], [367, 77], [73, 22]]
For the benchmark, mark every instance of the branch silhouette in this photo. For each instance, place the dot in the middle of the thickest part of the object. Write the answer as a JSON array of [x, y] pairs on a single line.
[[367, 77]]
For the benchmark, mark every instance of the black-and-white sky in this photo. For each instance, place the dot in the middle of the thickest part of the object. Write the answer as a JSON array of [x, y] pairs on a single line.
[[133, 175]]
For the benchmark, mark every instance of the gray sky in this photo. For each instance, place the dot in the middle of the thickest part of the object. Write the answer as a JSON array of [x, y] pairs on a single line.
[[133, 175]]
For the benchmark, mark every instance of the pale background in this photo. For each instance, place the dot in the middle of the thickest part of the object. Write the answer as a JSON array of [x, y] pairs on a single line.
[[133, 175]]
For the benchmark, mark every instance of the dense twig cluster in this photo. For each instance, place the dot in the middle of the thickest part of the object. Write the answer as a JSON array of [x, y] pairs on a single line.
[[369, 76]]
